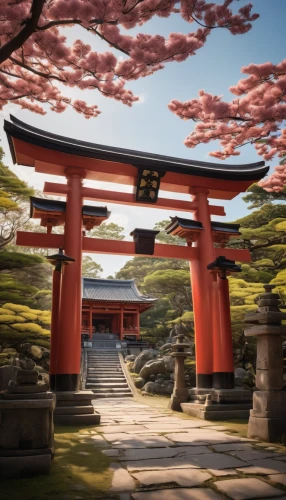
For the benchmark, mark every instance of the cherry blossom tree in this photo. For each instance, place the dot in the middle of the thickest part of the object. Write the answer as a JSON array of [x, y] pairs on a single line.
[[37, 60], [256, 116]]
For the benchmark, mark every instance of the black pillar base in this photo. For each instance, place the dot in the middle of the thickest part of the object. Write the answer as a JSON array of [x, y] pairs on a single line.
[[223, 380], [65, 382], [204, 381]]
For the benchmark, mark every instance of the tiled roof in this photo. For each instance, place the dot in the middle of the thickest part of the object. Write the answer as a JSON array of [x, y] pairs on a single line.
[[112, 291], [20, 130]]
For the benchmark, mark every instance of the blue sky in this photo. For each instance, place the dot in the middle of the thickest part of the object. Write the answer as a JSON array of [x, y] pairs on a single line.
[[149, 125]]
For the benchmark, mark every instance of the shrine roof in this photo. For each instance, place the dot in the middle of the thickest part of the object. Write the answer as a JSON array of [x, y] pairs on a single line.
[[16, 129], [112, 291], [47, 205]]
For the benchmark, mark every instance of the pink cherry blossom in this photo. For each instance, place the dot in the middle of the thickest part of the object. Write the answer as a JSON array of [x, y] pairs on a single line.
[[256, 116], [36, 58]]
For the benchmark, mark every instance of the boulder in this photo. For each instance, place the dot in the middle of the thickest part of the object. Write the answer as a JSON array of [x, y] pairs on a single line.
[[239, 375], [149, 388], [40, 369], [130, 366], [27, 364], [36, 352], [139, 382], [240, 372], [141, 360], [165, 347], [169, 363], [7, 373], [131, 357], [152, 368]]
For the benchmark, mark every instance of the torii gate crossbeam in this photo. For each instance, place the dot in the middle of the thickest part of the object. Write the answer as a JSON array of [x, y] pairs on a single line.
[[77, 160]]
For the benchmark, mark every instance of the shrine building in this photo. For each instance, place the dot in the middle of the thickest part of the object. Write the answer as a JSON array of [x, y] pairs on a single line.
[[112, 308]]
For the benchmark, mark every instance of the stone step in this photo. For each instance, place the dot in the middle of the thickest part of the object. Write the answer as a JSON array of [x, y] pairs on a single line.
[[83, 419], [73, 410], [108, 378], [105, 356], [105, 370], [114, 395], [105, 364], [98, 390], [112, 385]]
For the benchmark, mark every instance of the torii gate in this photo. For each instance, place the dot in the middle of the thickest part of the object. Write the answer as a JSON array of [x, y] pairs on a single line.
[[77, 160]]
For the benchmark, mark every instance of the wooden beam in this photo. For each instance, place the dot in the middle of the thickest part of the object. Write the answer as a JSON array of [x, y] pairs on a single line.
[[94, 245], [239, 254], [129, 199]]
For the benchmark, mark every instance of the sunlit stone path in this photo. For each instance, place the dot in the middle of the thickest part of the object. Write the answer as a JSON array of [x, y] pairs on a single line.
[[158, 455]]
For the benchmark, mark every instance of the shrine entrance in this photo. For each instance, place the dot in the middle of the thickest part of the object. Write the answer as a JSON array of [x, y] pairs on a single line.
[[205, 240], [111, 309]]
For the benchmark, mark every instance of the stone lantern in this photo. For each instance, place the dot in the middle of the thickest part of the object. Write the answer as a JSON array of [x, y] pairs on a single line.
[[26, 425], [268, 418], [180, 392]]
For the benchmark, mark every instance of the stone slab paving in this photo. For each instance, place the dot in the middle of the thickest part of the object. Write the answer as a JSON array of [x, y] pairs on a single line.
[[181, 477], [157, 455], [278, 478], [202, 436], [251, 454], [246, 489], [178, 494], [121, 480]]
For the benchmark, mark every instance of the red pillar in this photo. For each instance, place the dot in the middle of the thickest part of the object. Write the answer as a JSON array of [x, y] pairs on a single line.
[[66, 374], [55, 330], [201, 290], [223, 376]]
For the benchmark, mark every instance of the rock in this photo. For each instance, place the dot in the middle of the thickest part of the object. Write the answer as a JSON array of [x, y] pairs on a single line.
[[152, 368], [153, 378], [40, 369], [239, 375], [36, 352], [169, 363], [165, 347], [27, 364], [139, 382], [149, 388], [130, 366], [160, 343], [240, 372], [141, 360], [131, 357], [7, 373]]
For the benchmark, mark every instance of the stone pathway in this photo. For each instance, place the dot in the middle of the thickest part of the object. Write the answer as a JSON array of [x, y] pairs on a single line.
[[158, 456]]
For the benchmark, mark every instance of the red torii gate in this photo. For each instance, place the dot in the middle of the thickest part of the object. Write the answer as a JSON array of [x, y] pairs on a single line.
[[77, 160]]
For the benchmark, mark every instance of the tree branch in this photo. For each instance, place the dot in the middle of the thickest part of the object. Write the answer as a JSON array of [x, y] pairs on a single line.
[[25, 33]]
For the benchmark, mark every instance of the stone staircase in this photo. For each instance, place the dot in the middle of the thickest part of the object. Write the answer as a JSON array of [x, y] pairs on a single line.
[[105, 377]]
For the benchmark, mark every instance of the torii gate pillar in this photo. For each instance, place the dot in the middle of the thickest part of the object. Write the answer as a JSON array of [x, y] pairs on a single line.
[[65, 370]]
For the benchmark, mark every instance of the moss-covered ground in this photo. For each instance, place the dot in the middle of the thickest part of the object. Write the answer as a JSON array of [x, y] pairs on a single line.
[[79, 471]]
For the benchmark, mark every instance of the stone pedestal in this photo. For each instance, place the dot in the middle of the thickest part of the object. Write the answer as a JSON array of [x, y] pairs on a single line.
[[75, 408], [180, 392], [26, 426], [268, 418], [218, 404]]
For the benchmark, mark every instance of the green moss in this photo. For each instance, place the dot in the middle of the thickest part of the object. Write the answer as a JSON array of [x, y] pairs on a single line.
[[78, 470], [10, 260]]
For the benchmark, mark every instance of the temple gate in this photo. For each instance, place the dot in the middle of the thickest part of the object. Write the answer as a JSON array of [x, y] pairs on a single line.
[[147, 173]]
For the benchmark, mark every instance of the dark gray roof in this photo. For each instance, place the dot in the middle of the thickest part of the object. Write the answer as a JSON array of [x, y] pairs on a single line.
[[33, 135], [112, 291], [60, 206]]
